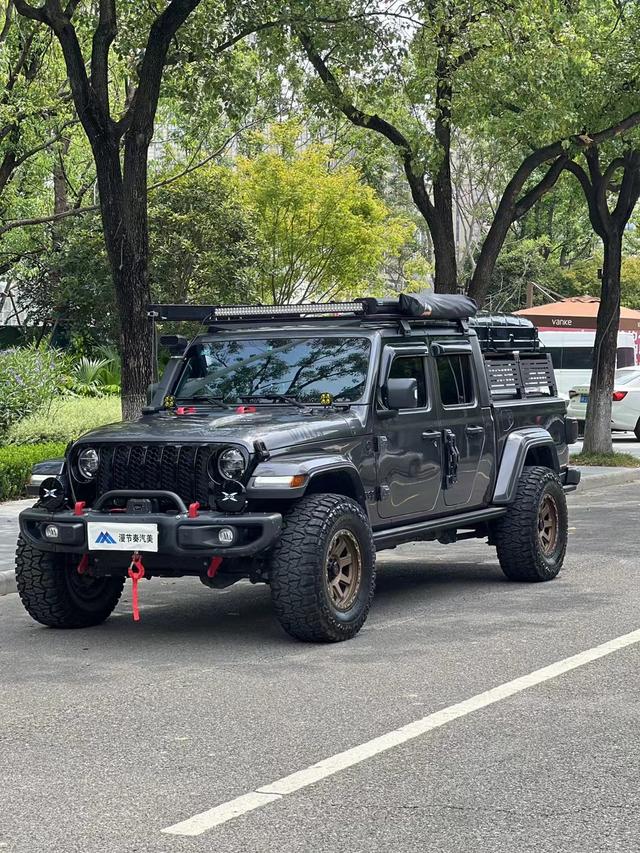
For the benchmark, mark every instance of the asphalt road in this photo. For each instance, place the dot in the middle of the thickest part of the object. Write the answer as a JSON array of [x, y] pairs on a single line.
[[110, 735]]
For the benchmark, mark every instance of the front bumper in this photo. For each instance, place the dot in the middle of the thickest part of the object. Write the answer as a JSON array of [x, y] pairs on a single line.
[[178, 534]]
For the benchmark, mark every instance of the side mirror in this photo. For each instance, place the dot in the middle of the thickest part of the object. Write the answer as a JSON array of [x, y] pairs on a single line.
[[151, 390], [401, 393]]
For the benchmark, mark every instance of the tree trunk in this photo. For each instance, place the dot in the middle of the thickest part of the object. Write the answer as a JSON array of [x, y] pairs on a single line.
[[444, 240], [444, 252], [597, 437], [485, 265], [123, 207], [132, 294]]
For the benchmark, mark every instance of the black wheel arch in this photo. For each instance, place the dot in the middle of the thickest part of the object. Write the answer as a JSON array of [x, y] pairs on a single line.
[[532, 446]]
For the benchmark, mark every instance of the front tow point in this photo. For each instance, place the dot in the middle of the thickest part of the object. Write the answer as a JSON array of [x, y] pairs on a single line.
[[136, 573]]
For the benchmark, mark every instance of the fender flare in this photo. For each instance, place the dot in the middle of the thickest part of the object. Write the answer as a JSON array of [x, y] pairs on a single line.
[[516, 447], [310, 466]]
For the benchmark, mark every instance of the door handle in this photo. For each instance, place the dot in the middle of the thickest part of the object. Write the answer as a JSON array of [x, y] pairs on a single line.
[[474, 430], [430, 435]]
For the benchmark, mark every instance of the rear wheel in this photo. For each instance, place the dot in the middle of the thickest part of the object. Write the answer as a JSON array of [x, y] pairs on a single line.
[[322, 570], [54, 594], [531, 539]]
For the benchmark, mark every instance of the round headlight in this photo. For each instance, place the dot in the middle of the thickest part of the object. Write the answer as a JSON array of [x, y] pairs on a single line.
[[88, 463], [231, 464]]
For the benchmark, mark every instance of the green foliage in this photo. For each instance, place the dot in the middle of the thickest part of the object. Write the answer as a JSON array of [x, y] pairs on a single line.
[[71, 280], [583, 279], [324, 233], [29, 377], [16, 464], [94, 377], [64, 420], [523, 262], [612, 460], [204, 247]]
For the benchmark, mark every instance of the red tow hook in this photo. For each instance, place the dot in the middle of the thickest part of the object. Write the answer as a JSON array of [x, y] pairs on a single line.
[[138, 574], [83, 565], [214, 565]]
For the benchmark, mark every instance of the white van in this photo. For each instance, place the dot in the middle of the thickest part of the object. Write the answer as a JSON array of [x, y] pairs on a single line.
[[572, 355]]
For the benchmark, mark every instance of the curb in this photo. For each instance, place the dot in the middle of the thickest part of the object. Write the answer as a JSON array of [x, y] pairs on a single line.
[[608, 478], [8, 582]]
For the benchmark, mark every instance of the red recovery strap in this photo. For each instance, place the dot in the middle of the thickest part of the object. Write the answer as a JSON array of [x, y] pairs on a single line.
[[138, 574], [214, 565]]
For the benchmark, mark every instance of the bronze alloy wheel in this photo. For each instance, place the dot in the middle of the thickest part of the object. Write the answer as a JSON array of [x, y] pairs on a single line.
[[548, 525], [343, 569]]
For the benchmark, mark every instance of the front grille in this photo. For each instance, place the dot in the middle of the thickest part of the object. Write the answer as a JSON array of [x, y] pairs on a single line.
[[177, 468]]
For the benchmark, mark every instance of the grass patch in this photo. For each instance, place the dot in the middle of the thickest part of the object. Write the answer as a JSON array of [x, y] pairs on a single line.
[[15, 466], [612, 460], [64, 420]]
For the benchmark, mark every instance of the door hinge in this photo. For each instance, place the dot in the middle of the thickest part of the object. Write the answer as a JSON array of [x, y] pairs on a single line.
[[380, 443], [383, 492]]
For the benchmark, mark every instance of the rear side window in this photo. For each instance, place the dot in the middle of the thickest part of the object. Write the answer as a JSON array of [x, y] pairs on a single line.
[[411, 367], [455, 379], [626, 357]]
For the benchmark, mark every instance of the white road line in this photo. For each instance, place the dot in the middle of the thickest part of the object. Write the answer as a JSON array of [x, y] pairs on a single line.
[[200, 823]]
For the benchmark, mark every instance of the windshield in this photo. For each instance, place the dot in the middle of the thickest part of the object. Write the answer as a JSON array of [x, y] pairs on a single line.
[[301, 368]]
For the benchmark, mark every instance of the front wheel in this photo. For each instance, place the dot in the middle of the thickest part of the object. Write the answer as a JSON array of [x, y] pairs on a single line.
[[322, 571], [637, 430], [54, 594], [531, 539]]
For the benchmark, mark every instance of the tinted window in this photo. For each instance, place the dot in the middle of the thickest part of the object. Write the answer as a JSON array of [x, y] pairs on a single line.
[[556, 356], [455, 378], [581, 358], [577, 358], [626, 357], [304, 368], [411, 367]]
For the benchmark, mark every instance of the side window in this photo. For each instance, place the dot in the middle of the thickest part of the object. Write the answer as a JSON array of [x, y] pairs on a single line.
[[626, 357], [411, 367], [455, 379]]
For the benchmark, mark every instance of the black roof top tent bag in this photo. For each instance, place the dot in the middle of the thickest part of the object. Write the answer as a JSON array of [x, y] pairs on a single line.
[[424, 306], [437, 306]]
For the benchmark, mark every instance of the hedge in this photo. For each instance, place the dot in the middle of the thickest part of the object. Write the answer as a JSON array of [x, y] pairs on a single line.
[[64, 420], [16, 462]]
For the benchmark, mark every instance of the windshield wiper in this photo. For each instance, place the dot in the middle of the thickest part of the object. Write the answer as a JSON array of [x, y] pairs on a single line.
[[274, 398], [206, 398]]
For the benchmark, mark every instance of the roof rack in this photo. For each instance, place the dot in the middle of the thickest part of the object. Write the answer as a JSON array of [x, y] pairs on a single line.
[[425, 307]]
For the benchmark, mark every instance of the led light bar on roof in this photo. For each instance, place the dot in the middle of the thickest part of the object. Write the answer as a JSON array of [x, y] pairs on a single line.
[[284, 310], [413, 307]]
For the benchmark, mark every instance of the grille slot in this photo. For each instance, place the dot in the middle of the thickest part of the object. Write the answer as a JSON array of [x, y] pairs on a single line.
[[177, 468]]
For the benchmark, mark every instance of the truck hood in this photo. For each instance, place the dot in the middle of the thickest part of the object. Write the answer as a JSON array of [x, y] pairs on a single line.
[[275, 427]]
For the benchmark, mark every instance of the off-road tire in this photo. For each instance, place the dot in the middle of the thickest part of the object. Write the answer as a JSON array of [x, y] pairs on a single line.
[[299, 567], [55, 595], [517, 536]]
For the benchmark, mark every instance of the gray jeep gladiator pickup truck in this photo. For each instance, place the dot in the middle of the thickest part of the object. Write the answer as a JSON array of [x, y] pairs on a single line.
[[289, 444]]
